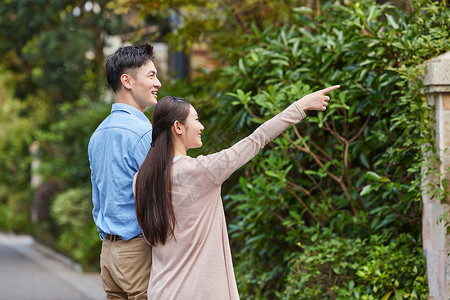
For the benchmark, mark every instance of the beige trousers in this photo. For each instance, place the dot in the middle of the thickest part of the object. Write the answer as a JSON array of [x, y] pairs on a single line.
[[125, 268]]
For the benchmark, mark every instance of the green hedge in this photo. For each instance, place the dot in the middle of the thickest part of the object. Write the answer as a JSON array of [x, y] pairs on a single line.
[[342, 268], [349, 173], [72, 211]]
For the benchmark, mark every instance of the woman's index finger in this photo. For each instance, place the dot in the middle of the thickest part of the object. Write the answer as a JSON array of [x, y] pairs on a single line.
[[331, 88]]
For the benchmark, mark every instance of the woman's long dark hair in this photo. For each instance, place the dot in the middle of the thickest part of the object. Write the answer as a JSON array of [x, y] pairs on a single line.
[[154, 207]]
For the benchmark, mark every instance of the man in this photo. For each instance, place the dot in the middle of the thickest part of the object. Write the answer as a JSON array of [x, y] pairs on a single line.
[[116, 150]]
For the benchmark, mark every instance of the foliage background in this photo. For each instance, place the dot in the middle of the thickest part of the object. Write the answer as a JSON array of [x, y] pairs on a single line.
[[330, 209]]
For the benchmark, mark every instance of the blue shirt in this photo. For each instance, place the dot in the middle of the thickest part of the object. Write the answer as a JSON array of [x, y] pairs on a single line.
[[116, 150]]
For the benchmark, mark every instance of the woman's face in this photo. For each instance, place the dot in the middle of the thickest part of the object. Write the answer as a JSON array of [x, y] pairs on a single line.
[[193, 130]]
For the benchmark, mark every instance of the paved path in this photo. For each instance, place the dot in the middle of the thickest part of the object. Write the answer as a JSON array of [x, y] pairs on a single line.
[[29, 270]]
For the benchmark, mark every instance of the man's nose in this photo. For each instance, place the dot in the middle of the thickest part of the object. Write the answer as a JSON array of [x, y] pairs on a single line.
[[158, 83]]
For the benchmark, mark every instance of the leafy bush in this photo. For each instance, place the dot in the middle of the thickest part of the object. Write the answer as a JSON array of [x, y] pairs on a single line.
[[65, 142], [17, 131], [72, 211], [64, 160], [353, 171], [341, 268], [15, 214]]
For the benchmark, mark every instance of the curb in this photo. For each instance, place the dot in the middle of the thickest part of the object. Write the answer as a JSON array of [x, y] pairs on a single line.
[[57, 256]]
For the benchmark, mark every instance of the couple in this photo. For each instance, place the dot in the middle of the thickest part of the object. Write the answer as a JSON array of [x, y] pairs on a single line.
[[177, 219]]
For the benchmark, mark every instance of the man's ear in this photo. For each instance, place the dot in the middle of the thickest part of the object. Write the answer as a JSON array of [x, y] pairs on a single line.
[[177, 127], [126, 81]]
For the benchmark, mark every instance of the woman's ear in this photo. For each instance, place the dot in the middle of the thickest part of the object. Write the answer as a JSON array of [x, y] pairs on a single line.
[[126, 81], [177, 127]]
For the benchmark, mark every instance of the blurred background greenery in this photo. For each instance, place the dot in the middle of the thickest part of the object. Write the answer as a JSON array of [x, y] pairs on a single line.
[[330, 210]]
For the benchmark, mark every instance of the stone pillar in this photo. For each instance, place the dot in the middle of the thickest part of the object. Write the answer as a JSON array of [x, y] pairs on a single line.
[[435, 239], [36, 179]]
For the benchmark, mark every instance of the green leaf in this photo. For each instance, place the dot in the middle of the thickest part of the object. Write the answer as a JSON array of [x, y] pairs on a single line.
[[273, 174], [364, 160], [391, 21], [242, 66], [302, 10], [280, 62], [373, 176], [385, 297], [366, 190]]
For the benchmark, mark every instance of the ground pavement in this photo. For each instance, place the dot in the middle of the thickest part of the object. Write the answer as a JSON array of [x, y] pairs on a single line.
[[29, 270]]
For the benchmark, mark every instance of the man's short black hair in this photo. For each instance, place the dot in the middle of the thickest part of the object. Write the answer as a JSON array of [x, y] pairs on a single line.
[[124, 59]]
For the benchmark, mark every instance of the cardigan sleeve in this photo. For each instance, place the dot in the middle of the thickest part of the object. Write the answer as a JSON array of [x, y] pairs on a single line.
[[219, 166]]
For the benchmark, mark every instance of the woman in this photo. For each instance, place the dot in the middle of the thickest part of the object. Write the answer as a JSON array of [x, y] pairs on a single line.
[[178, 202]]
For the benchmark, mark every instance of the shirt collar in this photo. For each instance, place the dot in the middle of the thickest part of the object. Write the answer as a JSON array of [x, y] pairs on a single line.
[[129, 109]]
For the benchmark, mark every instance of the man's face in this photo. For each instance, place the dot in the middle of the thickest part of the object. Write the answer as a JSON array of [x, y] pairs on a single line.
[[145, 85]]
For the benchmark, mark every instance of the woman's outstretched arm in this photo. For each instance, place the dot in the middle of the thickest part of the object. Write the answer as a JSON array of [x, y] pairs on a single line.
[[219, 166]]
